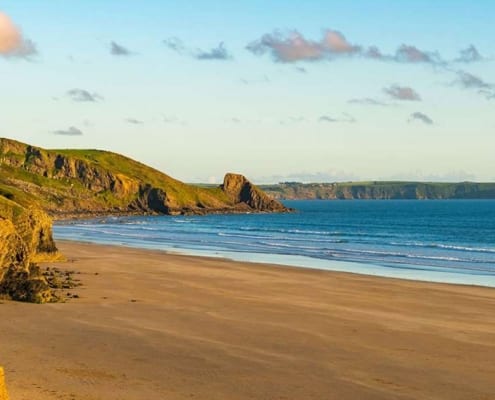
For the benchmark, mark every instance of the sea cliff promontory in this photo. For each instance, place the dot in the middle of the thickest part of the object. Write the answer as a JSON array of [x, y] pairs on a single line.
[[37, 185]]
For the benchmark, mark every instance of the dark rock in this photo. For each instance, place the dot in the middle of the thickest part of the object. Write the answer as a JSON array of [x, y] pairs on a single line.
[[241, 191]]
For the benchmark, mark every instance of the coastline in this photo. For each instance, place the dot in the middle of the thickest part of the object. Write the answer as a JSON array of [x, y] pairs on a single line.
[[398, 271], [150, 324], [71, 216]]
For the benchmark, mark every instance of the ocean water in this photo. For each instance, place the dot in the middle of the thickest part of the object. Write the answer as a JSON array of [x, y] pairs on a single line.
[[442, 241]]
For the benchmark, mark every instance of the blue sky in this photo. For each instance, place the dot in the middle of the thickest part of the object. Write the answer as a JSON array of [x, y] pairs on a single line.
[[311, 91]]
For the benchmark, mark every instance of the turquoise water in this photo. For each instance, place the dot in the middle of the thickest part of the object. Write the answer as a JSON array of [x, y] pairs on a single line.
[[444, 241]]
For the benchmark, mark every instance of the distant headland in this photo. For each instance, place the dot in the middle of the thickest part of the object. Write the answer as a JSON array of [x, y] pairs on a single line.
[[380, 190]]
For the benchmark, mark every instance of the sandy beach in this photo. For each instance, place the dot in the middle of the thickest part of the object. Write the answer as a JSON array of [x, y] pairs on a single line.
[[150, 325]]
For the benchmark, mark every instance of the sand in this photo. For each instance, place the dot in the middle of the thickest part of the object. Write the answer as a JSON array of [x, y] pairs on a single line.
[[150, 325]]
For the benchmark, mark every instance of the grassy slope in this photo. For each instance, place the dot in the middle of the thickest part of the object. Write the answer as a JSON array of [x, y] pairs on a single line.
[[22, 185], [9, 209], [116, 163]]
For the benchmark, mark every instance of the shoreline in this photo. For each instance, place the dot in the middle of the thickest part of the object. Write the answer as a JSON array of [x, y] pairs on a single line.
[[400, 271], [154, 325], [71, 216]]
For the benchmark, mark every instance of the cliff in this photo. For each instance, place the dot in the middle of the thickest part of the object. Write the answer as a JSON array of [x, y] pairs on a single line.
[[68, 183], [380, 190], [25, 238]]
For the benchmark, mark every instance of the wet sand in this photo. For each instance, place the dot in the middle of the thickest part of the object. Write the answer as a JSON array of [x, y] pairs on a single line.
[[150, 325]]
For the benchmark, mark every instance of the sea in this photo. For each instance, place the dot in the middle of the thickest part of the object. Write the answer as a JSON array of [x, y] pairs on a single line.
[[451, 241]]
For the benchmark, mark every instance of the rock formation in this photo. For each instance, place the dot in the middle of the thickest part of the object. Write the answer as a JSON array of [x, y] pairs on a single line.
[[240, 191], [25, 238]]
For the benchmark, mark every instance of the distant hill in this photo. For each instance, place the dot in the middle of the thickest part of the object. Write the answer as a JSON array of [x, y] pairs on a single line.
[[380, 190]]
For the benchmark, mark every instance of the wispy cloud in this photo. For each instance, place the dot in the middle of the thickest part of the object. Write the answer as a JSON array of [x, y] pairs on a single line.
[[419, 116], [174, 120], [469, 55], [254, 81], [421, 176], [252, 121], [71, 131], [470, 81], [367, 101], [411, 54], [81, 95], [134, 121], [293, 120], [345, 117], [219, 53], [175, 44], [216, 53], [403, 93], [119, 50], [326, 118], [12, 42], [311, 177]]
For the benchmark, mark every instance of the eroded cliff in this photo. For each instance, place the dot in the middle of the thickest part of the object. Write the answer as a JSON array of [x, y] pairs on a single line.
[[25, 238]]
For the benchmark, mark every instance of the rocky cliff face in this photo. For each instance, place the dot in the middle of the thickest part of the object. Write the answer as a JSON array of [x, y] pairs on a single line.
[[240, 191], [25, 238], [77, 174]]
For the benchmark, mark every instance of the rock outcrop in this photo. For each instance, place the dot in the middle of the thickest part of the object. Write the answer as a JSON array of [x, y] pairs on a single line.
[[25, 238], [240, 191]]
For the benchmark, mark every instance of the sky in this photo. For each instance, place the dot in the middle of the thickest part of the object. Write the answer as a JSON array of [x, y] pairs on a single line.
[[313, 90]]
